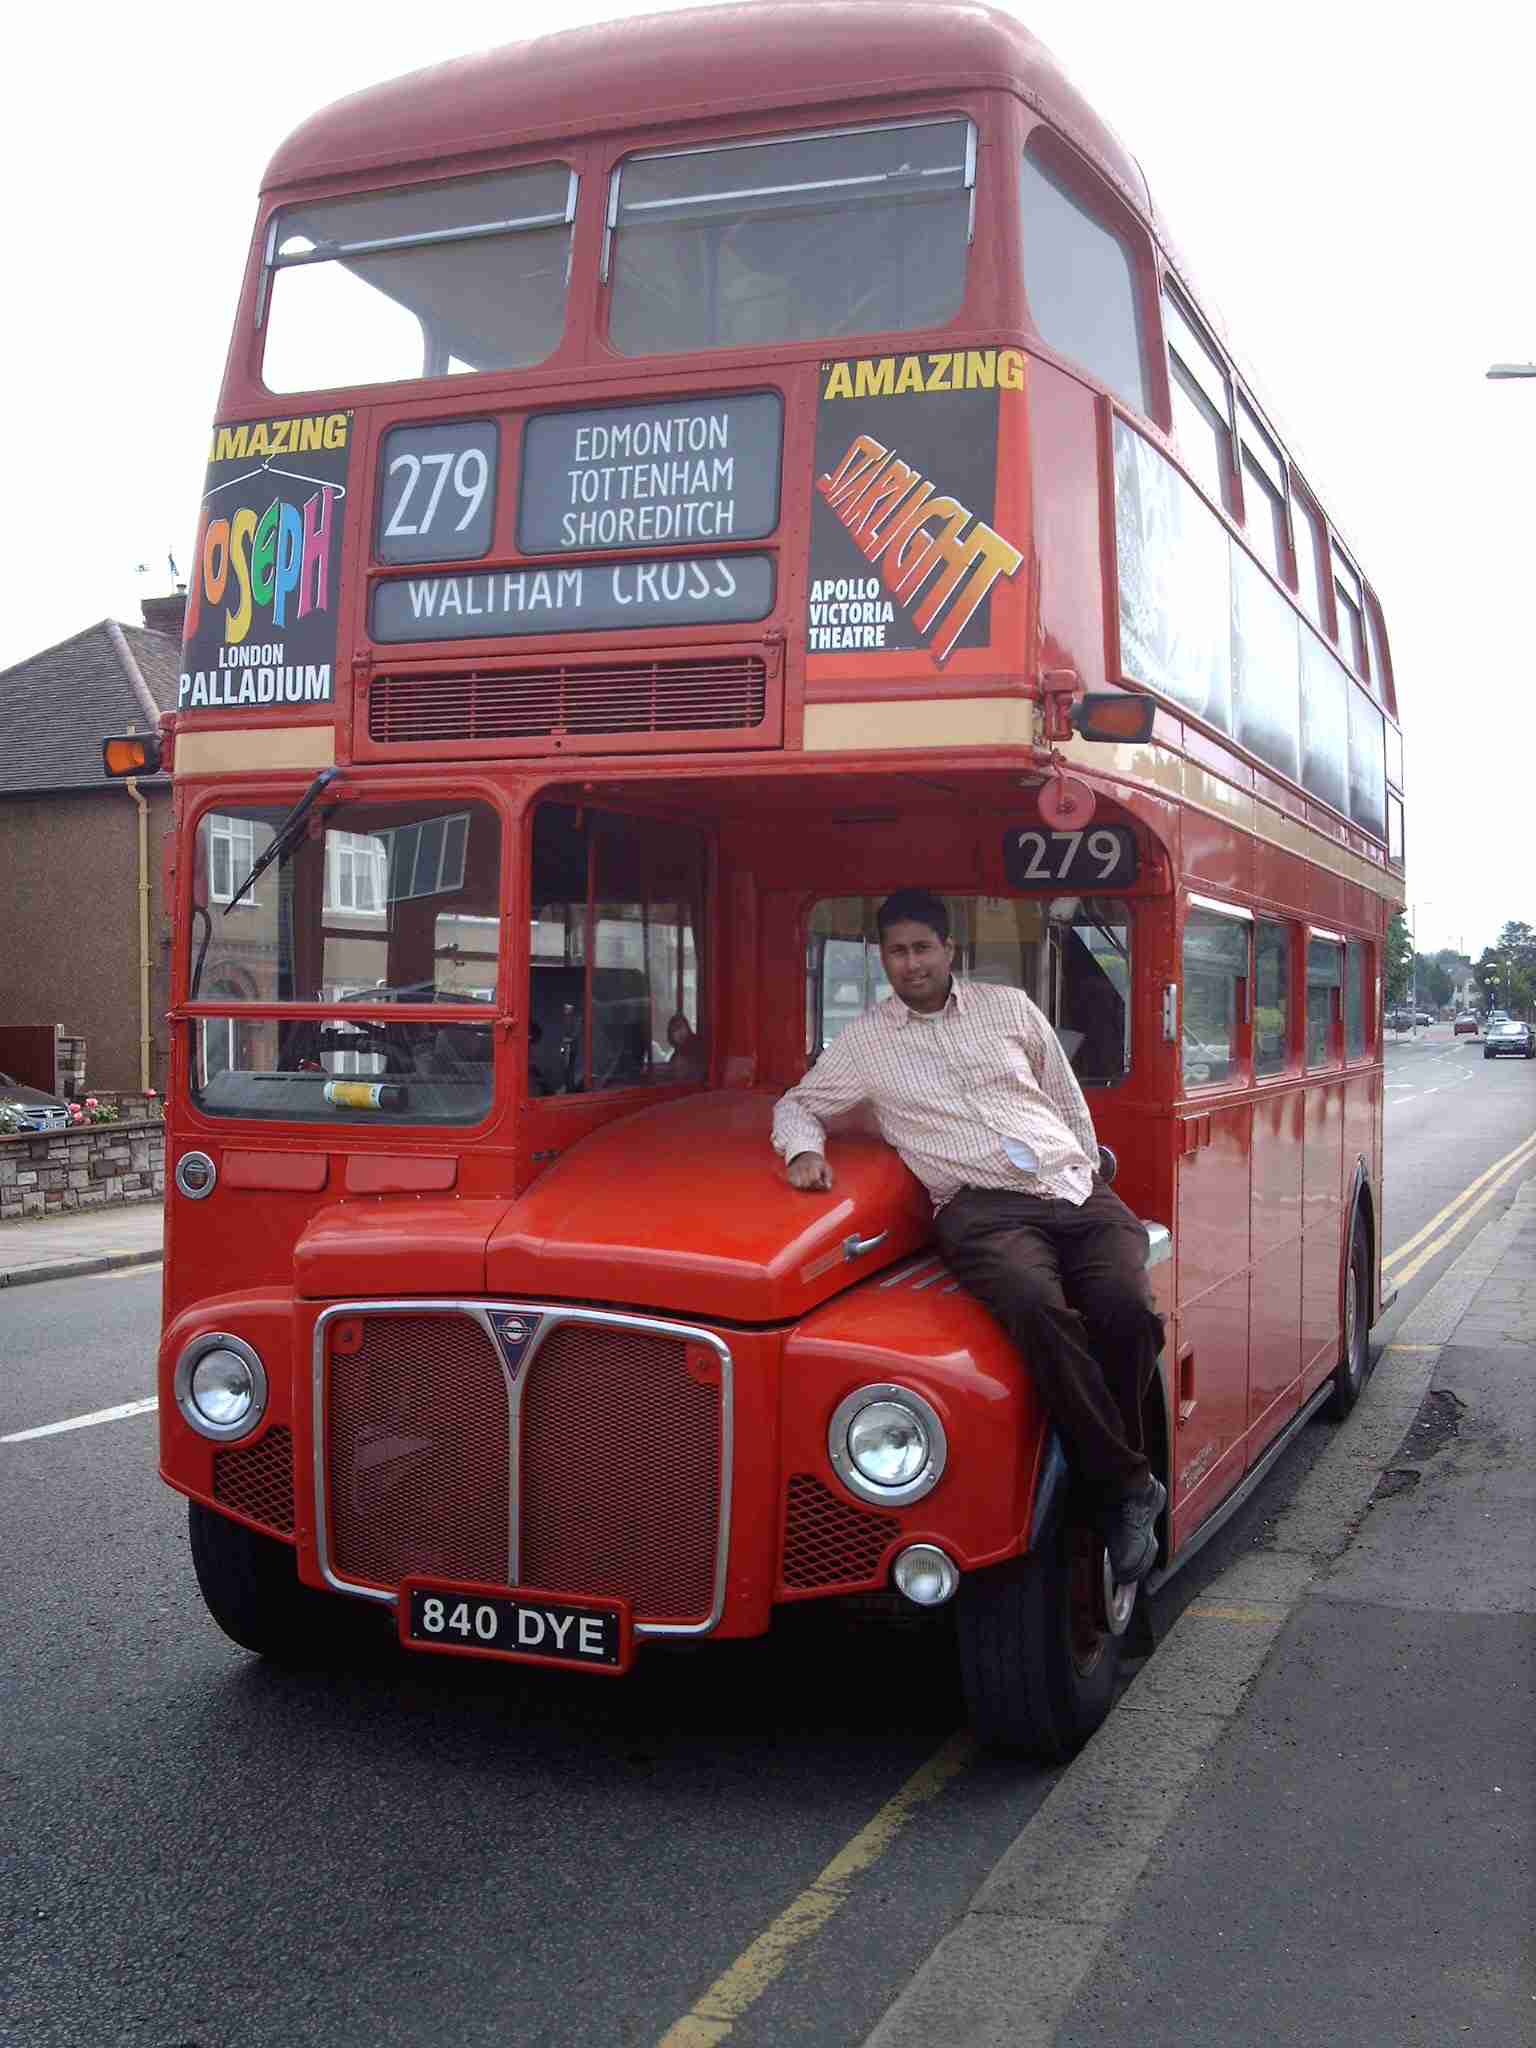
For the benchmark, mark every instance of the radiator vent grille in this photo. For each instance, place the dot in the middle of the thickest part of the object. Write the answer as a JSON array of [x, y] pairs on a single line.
[[257, 1480], [830, 1542], [550, 703]]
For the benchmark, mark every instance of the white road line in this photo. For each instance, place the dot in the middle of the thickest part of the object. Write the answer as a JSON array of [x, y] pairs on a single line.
[[23, 1436]]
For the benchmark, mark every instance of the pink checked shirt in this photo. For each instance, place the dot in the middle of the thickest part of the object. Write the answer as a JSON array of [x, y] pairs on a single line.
[[964, 1095]]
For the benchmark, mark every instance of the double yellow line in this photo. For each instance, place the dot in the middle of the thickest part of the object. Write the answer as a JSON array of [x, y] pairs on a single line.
[[1425, 1244]]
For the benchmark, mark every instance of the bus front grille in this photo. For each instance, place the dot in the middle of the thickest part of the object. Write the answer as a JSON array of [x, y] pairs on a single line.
[[571, 700], [620, 1471], [619, 1454], [418, 1427]]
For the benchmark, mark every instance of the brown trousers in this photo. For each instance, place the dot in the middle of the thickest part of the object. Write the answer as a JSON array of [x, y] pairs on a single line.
[[1068, 1283]]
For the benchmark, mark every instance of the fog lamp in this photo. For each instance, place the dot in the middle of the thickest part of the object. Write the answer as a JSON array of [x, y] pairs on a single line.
[[925, 1575]]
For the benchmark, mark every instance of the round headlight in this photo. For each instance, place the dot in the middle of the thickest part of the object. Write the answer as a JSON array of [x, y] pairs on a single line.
[[221, 1386], [888, 1443]]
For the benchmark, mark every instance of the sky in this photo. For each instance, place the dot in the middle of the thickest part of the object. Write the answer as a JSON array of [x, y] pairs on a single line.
[[1351, 193]]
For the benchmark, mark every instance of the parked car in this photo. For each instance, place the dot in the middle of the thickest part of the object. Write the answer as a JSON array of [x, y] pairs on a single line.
[[1498, 1016], [1399, 1020], [1465, 1025], [1422, 1017], [31, 1108], [1511, 1038]]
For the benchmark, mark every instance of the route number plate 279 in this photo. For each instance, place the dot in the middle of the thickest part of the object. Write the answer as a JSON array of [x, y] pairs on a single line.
[[518, 1623], [1100, 857]]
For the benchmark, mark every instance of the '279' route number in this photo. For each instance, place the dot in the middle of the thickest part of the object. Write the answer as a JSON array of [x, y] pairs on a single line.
[[1102, 857]]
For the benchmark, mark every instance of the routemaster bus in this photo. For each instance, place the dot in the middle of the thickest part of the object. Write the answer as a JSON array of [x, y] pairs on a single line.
[[672, 485]]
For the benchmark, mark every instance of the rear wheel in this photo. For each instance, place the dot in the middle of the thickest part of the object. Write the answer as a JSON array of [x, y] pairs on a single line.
[[1354, 1365], [250, 1585], [1040, 1643]]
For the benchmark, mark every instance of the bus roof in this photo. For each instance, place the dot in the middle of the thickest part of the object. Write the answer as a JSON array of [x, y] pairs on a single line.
[[667, 69]]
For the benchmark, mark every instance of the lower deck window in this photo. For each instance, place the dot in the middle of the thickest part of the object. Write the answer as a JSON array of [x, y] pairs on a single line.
[[1070, 954]]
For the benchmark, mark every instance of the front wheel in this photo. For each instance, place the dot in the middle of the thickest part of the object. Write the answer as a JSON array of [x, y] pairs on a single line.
[[1040, 1644], [1355, 1363], [251, 1586]]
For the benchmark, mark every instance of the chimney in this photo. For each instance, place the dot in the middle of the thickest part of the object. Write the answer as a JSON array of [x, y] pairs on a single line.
[[166, 614]]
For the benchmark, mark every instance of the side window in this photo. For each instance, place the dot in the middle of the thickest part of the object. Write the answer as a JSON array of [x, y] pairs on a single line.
[[1306, 521], [1202, 404], [1271, 997], [616, 969], [1325, 976], [1264, 516], [1069, 954], [1080, 279], [1215, 995], [1356, 1005], [1349, 599]]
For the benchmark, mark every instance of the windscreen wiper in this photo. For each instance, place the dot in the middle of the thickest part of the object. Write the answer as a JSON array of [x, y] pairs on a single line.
[[287, 835]]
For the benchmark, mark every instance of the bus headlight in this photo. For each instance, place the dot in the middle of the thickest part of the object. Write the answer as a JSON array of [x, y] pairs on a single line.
[[887, 1444], [221, 1386]]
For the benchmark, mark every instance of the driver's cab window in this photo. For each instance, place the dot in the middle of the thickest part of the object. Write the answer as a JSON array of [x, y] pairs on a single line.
[[1070, 954], [615, 953]]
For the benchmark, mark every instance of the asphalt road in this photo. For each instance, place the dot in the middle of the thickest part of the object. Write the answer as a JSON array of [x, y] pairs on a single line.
[[199, 1852]]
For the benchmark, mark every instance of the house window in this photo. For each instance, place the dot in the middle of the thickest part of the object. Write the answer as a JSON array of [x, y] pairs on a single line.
[[356, 871], [231, 856]]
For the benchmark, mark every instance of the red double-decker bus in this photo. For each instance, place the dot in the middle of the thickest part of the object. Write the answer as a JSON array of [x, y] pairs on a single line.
[[671, 486]]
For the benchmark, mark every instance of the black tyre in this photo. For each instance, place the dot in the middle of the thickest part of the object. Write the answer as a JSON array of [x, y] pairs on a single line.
[[1040, 1644], [250, 1585], [1355, 1364]]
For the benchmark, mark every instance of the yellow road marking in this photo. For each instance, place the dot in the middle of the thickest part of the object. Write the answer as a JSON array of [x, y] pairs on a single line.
[[1437, 1245], [1214, 1613], [744, 1981], [1526, 1147]]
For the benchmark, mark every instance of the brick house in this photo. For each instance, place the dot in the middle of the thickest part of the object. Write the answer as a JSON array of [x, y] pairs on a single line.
[[75, 860]]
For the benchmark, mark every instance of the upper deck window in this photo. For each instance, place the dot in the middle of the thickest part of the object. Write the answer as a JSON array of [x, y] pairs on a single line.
[[1202, 404], [1264, 516], [433, 281], [1080, 280], [861, 231]]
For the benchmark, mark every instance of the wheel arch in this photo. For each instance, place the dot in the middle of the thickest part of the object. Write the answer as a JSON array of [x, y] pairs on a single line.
[[1361, 1207]]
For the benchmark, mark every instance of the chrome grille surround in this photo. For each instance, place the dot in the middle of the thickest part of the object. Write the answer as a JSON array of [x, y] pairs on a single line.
[[551, 1316]]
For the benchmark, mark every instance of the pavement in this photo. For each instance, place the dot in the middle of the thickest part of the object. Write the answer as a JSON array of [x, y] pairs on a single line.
[[1310, 1817], [90, 1241]]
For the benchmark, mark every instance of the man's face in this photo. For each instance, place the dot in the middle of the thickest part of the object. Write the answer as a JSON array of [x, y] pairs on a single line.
[[917, 963]]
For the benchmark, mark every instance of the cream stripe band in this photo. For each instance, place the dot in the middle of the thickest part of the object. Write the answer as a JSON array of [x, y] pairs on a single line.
[[871, 728], [250, 749]]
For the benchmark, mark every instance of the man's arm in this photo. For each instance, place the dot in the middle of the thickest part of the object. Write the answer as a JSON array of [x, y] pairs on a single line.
[[799, 1117]]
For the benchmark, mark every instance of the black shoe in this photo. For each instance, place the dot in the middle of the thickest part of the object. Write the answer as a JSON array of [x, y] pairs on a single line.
[[1130, 1532]]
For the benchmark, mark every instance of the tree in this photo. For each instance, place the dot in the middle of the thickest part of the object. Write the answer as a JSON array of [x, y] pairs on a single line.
[[1399, 959], [1506, 973], [1431, 980]]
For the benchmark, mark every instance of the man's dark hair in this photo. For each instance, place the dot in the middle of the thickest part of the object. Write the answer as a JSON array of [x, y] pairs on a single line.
[[912, 906]]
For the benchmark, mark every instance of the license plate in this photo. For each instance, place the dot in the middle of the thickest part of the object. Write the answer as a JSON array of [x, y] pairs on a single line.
[[517, 1622]]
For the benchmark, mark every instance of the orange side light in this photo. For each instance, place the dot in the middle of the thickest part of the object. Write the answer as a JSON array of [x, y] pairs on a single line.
[[1114, 715], [134, 753]]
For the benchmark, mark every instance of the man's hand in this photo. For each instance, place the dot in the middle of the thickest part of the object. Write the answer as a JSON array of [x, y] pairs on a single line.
[[809, 1170]]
